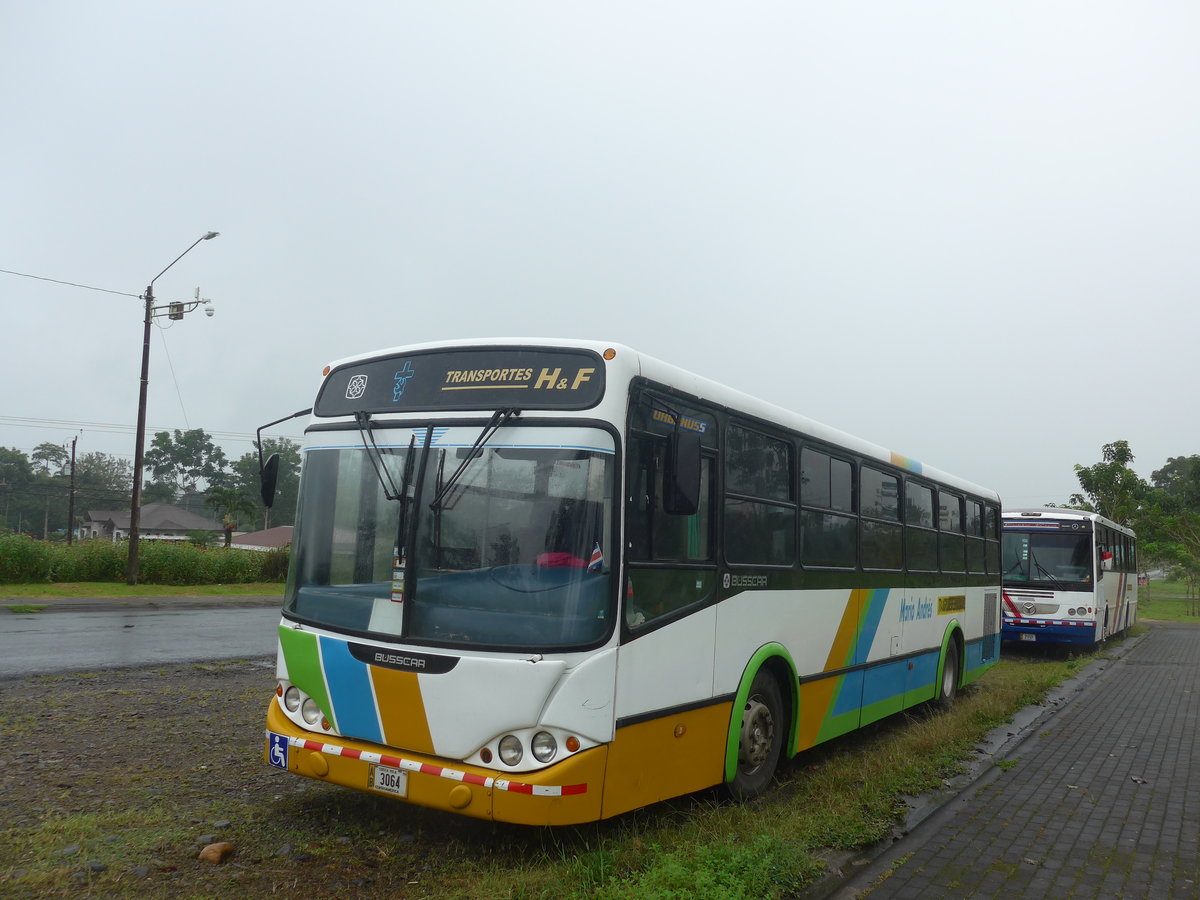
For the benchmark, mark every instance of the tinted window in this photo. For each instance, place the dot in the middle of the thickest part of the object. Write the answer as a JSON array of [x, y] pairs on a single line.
[[826, 482], [950, 516], [827, 539], [759, 533], [918, 506], [814, 478], [757, 465], [882, 545], [651, 532], [880, 494], [922, 550]]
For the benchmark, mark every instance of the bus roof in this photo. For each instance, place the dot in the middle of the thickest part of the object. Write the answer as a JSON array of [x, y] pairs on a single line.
[[630, 363], [1060, 512]]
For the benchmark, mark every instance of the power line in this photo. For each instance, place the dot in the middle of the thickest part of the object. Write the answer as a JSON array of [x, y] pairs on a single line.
[[71, 284], [118, 428]]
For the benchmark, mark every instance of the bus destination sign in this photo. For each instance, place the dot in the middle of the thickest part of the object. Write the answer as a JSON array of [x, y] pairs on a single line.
[[482, 378]]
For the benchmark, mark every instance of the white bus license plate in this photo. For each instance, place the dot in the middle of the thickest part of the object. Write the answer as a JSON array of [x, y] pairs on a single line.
[[389, 780], [1029, 637]]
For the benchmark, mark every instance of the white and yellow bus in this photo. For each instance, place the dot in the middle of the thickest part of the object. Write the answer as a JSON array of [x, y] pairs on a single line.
[[547, 583], [1070, 577]]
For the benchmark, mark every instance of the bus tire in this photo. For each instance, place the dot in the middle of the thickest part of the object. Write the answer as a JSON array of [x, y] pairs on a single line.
[[760, 738], [948, 689]]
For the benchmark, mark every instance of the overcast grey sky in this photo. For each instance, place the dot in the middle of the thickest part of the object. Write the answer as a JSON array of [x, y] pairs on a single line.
[[963, 230]]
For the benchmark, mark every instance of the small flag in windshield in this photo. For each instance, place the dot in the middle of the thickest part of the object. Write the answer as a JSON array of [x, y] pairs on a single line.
[[597, 559]]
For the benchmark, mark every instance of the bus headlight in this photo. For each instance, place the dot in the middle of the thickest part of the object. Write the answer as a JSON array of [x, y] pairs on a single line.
[[310, 711], [511, 750], [291, 699], [544, 746]]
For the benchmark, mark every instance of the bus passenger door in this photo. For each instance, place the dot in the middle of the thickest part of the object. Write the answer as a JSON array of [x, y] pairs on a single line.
[[666, 726]]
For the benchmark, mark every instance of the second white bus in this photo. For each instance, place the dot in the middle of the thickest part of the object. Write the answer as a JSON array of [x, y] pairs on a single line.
[[1070, 577]]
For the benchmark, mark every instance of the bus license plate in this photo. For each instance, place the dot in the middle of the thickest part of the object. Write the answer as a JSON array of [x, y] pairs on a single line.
[[389, 780], [1029, 637]]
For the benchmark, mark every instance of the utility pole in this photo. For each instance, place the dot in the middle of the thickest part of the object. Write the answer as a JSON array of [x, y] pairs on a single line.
[[71, 498], [174, 311]]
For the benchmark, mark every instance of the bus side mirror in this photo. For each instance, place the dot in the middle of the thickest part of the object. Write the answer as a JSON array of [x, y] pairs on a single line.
[[270, 475], [681, 476]]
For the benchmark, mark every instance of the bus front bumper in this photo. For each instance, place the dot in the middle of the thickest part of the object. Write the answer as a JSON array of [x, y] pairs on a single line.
[[566, 793], [1045, 631]]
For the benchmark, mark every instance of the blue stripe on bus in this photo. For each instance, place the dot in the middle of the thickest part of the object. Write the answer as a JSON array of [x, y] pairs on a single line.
[[850, 695], [885, 681], [871, 617], [350, 691]]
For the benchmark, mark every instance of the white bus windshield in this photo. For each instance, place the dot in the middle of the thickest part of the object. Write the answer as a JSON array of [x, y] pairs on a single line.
[[1052, 557], [513, 555]]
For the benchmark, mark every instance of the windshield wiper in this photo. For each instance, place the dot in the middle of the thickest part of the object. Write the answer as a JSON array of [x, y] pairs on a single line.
[[390, 489], [499, 419], [1058, 584]]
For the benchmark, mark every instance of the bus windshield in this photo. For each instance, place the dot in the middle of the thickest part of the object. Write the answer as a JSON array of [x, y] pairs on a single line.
[[509, 551], [1048, 556]]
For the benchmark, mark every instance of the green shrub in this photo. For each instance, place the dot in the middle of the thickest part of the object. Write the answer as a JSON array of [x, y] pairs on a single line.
[[23, 560], [275, 564], [90, 561]]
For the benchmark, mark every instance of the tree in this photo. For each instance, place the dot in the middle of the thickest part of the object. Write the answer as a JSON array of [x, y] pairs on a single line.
[[102, 474], [52, 456], [246, 478], [18, 505], [102, 481], [1179, 481], [235, 506], [1110, 487], [188, 461], [158, 492]]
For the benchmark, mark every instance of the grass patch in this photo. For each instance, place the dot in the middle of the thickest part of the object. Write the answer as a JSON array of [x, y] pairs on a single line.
[[24, 608], [1167, 601]]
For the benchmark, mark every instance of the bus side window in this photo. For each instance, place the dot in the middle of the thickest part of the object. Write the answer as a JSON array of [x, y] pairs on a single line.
[[993, 540], [921, 550], [828, 526], [882, 533], [950, 525], [670, 547], [641, 497], [760, 509]]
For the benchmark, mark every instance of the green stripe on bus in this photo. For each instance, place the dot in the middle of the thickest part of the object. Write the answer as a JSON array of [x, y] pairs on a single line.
[[303, 661]]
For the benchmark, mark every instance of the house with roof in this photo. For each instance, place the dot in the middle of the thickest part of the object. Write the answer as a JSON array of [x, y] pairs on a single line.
[[269, 539], [159, 522]]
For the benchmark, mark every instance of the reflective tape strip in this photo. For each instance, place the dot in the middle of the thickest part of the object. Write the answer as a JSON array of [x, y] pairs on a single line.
[[409, 765], [1015, 621]]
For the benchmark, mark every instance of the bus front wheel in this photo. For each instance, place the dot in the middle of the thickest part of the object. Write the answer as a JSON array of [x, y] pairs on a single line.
[[760, 739]]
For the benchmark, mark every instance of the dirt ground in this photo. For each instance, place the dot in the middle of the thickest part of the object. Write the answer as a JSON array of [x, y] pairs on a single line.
[[111, 783]]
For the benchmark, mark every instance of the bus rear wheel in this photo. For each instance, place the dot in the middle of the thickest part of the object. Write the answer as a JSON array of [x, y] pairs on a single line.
[[760, 738], [949, 676]]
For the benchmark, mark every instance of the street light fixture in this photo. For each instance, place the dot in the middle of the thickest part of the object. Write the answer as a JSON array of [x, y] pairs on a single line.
[[175, 311]]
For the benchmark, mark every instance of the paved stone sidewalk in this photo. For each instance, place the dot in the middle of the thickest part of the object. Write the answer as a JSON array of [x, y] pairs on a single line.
[[1101, 800]]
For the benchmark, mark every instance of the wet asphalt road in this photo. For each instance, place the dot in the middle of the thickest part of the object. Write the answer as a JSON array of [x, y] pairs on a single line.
[[48, 642]]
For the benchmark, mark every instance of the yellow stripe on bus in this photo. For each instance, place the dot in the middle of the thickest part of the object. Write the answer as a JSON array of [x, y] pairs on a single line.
[[401, 709], [816, 697]]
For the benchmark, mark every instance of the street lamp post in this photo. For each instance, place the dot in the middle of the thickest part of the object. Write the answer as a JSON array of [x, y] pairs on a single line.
[[135, 509]]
